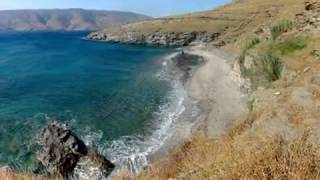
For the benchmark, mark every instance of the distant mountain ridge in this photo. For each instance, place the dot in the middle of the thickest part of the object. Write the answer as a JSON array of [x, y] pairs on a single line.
[[65, 19]]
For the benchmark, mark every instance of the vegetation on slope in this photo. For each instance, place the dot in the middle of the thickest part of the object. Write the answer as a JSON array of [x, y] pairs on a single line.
[[232, 21], [282, 27], [269, 158], [264, 65]]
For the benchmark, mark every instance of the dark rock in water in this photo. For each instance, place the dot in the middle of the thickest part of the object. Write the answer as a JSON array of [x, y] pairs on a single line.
[[186, 62], [61, 150]]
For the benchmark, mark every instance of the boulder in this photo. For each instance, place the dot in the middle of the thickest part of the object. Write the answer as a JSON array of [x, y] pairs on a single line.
[[61, 150], [186, 63]]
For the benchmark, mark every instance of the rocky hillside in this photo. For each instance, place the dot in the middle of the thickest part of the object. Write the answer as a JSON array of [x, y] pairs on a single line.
[[220, 26], [68, 19]]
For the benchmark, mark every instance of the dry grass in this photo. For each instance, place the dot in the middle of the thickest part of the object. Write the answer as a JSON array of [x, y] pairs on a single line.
[[296, 114], [270, 158], [232, 21], [7, 174]]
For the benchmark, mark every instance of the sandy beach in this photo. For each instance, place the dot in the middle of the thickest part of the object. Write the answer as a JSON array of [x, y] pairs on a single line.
[[213, 88], [216, 85]]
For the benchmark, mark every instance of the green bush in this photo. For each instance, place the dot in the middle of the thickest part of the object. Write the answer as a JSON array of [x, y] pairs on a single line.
[[250, 43], [292, 44], [269, 65], [280, 28]]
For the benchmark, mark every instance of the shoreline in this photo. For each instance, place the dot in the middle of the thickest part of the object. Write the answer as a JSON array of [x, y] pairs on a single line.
[[217, 86], [205, 88]]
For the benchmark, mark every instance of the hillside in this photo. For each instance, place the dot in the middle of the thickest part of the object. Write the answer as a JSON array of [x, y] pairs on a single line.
[[222, 25], [67, 19]]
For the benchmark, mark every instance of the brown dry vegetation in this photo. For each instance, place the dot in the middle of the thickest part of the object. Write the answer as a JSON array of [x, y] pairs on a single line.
[[6, 174], [232, 21], [268, 158]]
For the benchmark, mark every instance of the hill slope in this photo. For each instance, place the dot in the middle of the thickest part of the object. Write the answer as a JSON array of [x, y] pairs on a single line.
[[68, 19], [223, 25]]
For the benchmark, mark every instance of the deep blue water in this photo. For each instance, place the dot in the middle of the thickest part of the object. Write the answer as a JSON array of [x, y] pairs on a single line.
[[94, 87]]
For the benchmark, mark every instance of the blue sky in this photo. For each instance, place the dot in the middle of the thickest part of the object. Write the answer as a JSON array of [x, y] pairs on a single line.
[[154, 8]]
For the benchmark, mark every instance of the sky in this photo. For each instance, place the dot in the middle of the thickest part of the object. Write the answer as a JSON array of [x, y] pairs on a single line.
[[155, 8]]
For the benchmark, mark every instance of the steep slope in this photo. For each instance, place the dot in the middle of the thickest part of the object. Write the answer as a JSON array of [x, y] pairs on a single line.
[[68, 19], [222, 25]]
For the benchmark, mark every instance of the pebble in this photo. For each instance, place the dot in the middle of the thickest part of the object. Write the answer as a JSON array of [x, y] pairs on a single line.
[[277, 93], [306, 69]]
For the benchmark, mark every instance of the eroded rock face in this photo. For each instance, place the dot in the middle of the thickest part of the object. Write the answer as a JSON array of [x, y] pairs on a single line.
[[158, 38], [61, 150], [310, 18]]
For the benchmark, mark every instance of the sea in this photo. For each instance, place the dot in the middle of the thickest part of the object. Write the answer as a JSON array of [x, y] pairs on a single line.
[[118, 98]]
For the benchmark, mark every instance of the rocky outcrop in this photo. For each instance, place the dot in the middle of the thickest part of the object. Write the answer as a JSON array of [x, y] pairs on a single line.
[[186, 63], [158, 38], [309, 19], [61, 150]]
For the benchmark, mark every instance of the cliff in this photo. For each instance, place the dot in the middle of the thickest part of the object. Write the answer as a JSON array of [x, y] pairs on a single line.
[[65, 19]]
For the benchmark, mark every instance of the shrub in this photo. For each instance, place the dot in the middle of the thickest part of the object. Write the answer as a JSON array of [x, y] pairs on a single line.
[[269, 65], [280, 28], [250, 43], [292, 44]]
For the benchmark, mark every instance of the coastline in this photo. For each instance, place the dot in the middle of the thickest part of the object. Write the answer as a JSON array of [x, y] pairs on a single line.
[[213, 88]]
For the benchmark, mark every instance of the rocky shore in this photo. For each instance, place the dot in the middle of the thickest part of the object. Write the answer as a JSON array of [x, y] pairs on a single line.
[[157, 38], [62, 153]]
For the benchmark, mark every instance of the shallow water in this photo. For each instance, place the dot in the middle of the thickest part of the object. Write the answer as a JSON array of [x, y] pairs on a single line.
[[110, 94]]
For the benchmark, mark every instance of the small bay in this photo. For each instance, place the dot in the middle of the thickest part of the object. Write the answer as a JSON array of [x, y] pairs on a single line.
[[103, 91]]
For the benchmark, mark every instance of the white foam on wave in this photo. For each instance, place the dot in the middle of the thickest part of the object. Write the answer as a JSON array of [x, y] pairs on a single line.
[[131, 152]]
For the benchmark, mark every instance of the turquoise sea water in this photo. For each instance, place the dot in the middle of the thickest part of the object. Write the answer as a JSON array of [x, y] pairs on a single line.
[[108, 93]]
